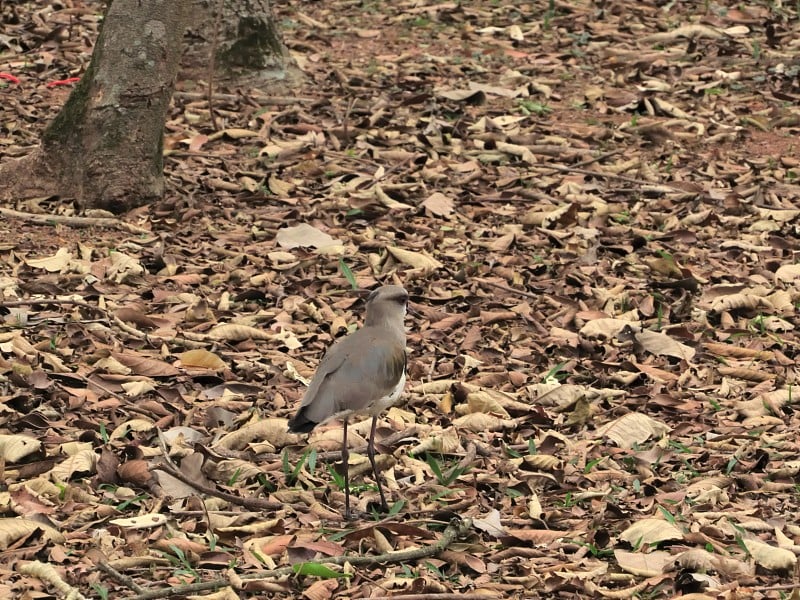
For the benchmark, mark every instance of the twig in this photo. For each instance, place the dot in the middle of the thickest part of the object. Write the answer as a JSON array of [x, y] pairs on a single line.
[[247, 502], [276, 100], [201, 341], [284, 100], [606, 176], [506, 288], [584, 163], [454, 531], [102, 222], [120, 577], [55, 301], [469, 457]]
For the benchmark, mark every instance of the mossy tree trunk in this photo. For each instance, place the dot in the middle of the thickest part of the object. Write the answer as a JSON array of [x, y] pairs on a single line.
[[104, 148], [242, 41]]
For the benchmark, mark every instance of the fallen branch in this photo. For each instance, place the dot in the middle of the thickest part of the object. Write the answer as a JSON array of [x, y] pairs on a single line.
[[120, 577], [505, 288], [247, 502], [101, 222], [454, 531], [196, 341], [603, 175], [274, 100]]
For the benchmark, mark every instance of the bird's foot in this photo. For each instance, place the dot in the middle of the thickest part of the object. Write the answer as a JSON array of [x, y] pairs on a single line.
[[380, 507], [351, 515]]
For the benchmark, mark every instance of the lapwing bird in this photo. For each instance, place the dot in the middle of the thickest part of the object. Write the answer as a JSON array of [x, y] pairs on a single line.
[[363, 373]]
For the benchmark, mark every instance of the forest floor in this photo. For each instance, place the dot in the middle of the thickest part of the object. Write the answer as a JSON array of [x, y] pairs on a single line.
[[595, 210]]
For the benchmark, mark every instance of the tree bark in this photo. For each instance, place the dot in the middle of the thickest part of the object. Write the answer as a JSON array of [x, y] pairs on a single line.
[[104, 149], [241, 40], [105, 146]]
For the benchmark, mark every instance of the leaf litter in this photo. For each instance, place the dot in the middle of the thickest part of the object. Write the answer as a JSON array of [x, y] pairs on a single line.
[[595, 211]]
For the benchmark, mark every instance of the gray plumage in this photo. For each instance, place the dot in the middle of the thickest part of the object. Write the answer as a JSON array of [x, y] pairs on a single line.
[[363, 373]]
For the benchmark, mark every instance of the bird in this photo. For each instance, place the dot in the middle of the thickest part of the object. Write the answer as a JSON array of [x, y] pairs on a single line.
[[363, 373]]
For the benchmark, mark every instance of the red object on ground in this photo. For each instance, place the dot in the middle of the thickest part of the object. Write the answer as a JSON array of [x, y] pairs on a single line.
[[9, 77], [63, 81]]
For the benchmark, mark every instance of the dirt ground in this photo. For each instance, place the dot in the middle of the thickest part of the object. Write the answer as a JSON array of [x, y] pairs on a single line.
[[594, 208]]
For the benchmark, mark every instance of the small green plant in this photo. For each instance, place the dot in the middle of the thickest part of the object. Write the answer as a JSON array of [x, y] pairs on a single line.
[[317, 570], [668, 516], [179, 560], [623, 218], [549, 14], [348, 274], [394, 510], [759, 323], [595, 551], [265, 482], [408, 572], [439, 573], [444, 477], [740, 542], [125, 504], [531, 107], [569, 500], [659, 311], [556, 374], [290, 473], [338, 478], [101, 590], [592, 464], [234, 477], [443, 493]]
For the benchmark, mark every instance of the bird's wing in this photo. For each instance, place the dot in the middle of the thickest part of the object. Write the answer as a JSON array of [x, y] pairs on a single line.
[[365, 368]]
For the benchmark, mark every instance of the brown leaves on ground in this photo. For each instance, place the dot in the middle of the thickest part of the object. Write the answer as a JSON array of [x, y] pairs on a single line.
[[595, 211]]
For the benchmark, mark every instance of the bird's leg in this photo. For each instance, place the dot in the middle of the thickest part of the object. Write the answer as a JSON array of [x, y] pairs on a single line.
[[371, 455], [346, 466]]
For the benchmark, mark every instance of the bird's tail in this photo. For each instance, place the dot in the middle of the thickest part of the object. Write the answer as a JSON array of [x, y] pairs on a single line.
[[300, 423]]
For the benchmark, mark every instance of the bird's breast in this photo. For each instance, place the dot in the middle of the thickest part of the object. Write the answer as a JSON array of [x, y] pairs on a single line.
[[389, 399]]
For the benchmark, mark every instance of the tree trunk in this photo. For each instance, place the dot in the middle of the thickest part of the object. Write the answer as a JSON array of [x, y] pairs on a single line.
[[105, 146], [240, 39]]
